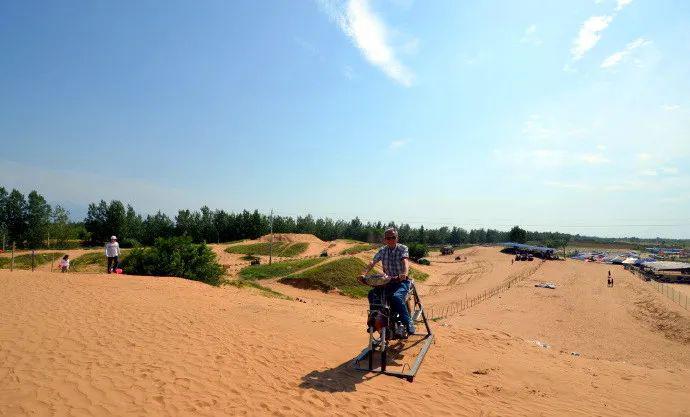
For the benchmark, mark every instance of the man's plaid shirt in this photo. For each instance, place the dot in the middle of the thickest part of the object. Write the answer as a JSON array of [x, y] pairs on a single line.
[[392, 259]]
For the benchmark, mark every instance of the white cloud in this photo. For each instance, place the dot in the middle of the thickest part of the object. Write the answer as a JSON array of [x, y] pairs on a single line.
[[370, 34], [567, 185], [589, 35], [622, 3], [669, 170], [671, 107], [530, 36], [397, 144], [649, 173], [615, 58], [601, 147], [594, 158], [642, 156]]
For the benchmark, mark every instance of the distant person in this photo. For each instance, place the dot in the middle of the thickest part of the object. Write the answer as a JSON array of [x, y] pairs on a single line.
[[112, 252], [64, 263]]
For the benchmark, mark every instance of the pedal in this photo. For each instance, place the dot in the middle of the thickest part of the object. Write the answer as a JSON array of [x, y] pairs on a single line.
[[417, 314]]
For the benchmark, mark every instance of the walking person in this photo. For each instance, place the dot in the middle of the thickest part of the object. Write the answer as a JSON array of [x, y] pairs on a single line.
[[112, 252]]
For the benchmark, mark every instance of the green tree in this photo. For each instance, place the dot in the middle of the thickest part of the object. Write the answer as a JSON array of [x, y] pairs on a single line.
[[517, 235], [157, 226], [37, 220], [96, 221], [15, 215], [60, 227]]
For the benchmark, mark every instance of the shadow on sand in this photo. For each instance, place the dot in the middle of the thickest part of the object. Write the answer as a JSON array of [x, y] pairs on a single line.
[[343, 378]]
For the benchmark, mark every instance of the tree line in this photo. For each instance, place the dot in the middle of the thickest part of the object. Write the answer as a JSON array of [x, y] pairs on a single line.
[[30, 221]]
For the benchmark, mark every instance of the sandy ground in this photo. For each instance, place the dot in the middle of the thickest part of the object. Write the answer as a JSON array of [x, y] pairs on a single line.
[[99, 345]]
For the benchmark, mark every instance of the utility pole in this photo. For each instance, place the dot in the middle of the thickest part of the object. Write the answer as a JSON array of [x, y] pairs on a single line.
[[52, 254], [270, 247]]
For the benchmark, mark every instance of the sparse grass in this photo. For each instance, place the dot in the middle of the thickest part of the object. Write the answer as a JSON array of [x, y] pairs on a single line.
[[94, 261], [279, 249], [361, 247], [294, 249], [243, 283], [278, 269], [24, 261], [418, 275], [255, 248], [340, 274]]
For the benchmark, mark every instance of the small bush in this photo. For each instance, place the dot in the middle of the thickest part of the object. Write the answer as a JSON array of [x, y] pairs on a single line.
[[418, 275], [175, 257], [418, 250], [423, 261]]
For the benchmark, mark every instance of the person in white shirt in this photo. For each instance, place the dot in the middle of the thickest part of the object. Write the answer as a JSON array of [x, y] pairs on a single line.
[[112, 252], [64, 263]]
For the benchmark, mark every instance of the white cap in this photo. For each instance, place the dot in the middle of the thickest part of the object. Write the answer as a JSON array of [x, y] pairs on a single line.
[[113, 237]]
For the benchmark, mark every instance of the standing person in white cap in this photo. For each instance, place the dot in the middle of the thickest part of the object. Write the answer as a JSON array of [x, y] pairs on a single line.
[[112, 251]]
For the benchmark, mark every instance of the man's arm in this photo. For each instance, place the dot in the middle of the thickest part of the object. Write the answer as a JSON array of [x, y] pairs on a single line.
[[368, 268], [406, 268]]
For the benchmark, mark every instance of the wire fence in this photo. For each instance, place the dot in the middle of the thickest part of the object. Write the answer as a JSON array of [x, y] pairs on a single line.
[[671, 293], [435, 312], [666, 290]]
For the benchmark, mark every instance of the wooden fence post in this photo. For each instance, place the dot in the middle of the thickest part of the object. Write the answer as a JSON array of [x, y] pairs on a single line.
[[33, 260], [12, 262]]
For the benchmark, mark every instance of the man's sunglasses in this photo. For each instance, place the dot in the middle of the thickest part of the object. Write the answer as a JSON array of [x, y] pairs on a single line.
[[390, 237]]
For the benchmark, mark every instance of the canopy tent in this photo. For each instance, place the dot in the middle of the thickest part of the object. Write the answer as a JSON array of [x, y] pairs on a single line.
[[659, 266], [629, 261]]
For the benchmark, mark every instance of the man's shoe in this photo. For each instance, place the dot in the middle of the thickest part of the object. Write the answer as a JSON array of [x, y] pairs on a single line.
[[410, 329]]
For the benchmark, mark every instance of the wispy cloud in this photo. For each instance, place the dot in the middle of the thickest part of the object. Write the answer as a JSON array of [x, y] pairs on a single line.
[[371, 35], [649, 173], [670, 107], [530, 36], [643, 156], [669, 170], [594, 158], [567, 185], [590, 32], [615, 58], [622, 3], [397, 144], [589, 35]]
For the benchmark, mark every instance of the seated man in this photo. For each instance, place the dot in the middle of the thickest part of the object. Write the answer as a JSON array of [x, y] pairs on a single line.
[[394, 258]]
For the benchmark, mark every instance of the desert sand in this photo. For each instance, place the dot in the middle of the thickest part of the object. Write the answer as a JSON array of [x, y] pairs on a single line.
[[105, 345]]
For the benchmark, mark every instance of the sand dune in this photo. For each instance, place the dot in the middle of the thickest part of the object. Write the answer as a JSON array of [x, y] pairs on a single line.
[[99, 345]]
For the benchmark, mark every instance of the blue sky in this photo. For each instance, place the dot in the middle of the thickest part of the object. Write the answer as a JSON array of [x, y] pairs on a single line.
[[553, 115]]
